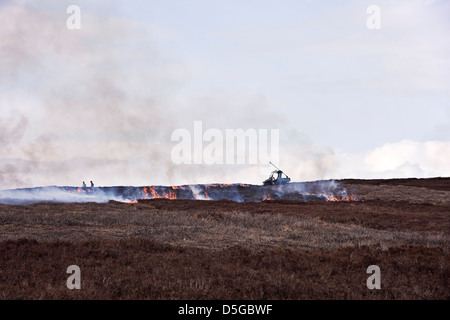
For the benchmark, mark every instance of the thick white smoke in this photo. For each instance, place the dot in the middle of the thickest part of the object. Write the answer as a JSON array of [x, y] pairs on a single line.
[[100, 103], [57, 195]]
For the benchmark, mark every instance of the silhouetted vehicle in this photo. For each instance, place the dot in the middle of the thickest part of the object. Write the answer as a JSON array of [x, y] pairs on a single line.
[[278, 179]]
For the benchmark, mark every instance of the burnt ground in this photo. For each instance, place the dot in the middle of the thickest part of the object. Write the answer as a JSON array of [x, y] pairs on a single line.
[[277, 249]]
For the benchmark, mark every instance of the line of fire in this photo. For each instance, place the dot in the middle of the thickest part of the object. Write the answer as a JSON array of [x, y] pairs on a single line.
[[277, 187]]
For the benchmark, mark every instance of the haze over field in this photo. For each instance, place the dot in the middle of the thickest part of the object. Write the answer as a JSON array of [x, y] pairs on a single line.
[[101, 102]]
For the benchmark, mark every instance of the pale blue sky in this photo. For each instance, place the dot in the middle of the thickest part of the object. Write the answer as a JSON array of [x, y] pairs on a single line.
[[319, 61]]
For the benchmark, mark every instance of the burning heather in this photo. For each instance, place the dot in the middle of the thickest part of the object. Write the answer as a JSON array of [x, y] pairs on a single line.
[[307, 191]]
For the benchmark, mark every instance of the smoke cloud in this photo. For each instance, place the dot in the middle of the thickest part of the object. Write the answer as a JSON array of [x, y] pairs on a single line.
[[100, 103]]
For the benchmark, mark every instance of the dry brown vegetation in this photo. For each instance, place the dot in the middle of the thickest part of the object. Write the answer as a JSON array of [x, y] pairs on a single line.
[[186, 249]]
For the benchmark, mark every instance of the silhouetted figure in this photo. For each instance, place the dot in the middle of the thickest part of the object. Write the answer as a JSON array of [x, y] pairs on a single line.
[[84, 185], [92, 184]]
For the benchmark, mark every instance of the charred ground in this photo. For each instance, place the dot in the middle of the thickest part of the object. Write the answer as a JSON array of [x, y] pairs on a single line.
[[278, 249]]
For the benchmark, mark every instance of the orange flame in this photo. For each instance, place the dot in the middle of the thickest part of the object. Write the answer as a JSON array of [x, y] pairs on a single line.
[[154, 193], [147, 195], [267, 197], [331, 197], [170, 195], [151, 193]]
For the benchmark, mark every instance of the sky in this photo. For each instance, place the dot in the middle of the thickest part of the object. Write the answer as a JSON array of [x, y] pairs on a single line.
[[102, 101]]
